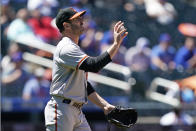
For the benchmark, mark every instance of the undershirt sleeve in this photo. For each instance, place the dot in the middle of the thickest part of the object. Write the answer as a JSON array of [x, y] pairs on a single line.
[[95, 64], [90, 88]]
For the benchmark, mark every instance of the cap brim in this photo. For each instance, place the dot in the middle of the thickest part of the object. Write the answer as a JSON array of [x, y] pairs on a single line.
[[53, 23], [77, 15]]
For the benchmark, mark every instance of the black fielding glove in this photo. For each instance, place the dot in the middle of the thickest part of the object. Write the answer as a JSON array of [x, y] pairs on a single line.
[[122, 117]]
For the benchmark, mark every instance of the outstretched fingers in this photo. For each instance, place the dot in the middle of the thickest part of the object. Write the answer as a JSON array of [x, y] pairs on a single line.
[[123, 32], [119, 32], [117, 25], [120, 27]]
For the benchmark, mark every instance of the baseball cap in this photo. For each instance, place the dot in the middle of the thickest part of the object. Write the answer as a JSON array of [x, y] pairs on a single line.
[[67, 14], [142, 42], [164, 38]]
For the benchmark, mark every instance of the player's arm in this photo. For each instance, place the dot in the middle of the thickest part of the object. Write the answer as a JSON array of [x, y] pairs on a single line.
[[90, 88], [96, 99], [94, 64]]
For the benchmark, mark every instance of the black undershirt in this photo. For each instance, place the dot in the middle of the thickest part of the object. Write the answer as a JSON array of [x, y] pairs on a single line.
[[95, 64], [90, 88]]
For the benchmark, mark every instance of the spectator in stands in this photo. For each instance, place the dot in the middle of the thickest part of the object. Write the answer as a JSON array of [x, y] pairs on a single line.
[[186, 56], [36, 87], [6, 64], [46, 7], [14, 80], [19, 29], [138, 57], [161, 10], [162, 55], [7, 15], [42, 27]]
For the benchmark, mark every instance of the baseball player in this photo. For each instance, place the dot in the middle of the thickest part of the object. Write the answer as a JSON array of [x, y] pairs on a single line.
[[70, 88]]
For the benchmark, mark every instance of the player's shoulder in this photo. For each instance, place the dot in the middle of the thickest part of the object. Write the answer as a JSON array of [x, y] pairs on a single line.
[[65, 43], [67, 46]]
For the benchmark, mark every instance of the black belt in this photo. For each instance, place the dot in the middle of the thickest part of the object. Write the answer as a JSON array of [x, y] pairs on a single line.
[[75, 104], [66, 101]]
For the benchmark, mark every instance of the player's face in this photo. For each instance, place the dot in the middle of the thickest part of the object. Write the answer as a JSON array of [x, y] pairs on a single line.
[[77, 25]]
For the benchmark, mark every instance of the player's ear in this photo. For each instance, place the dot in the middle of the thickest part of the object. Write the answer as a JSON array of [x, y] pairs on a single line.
[[66, 25]]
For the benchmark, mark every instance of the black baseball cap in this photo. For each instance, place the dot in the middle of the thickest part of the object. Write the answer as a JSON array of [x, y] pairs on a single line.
[[65, 15]]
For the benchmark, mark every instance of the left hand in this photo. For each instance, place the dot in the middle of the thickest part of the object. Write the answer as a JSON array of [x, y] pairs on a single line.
[[108, 108], [119, 32]]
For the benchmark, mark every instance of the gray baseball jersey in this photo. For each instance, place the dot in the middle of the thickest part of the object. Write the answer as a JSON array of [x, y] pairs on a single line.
[[67, 80]]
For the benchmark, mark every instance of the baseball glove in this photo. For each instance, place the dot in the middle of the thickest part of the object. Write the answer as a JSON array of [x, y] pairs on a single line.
[[122, 117]]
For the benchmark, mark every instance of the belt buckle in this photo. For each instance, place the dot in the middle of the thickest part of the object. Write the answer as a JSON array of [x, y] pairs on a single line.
[[77, 105]]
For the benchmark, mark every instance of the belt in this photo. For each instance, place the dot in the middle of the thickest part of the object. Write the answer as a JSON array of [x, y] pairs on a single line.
[[75, 104]]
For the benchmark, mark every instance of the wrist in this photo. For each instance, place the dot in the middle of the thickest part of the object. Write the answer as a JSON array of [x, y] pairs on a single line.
[[104, 106], [107, 108], [115, 43]]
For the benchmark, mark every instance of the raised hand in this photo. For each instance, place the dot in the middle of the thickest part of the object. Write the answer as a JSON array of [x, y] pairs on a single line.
[[119, 32]]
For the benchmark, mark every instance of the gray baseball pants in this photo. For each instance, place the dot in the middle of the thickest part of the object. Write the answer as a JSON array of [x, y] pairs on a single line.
[[64, 117]]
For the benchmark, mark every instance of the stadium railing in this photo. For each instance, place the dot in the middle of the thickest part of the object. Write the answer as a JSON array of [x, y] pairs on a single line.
[[98, 78]]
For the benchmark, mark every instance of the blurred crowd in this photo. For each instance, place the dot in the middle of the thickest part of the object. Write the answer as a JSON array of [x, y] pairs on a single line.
[[155, 46], [154, 42]]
